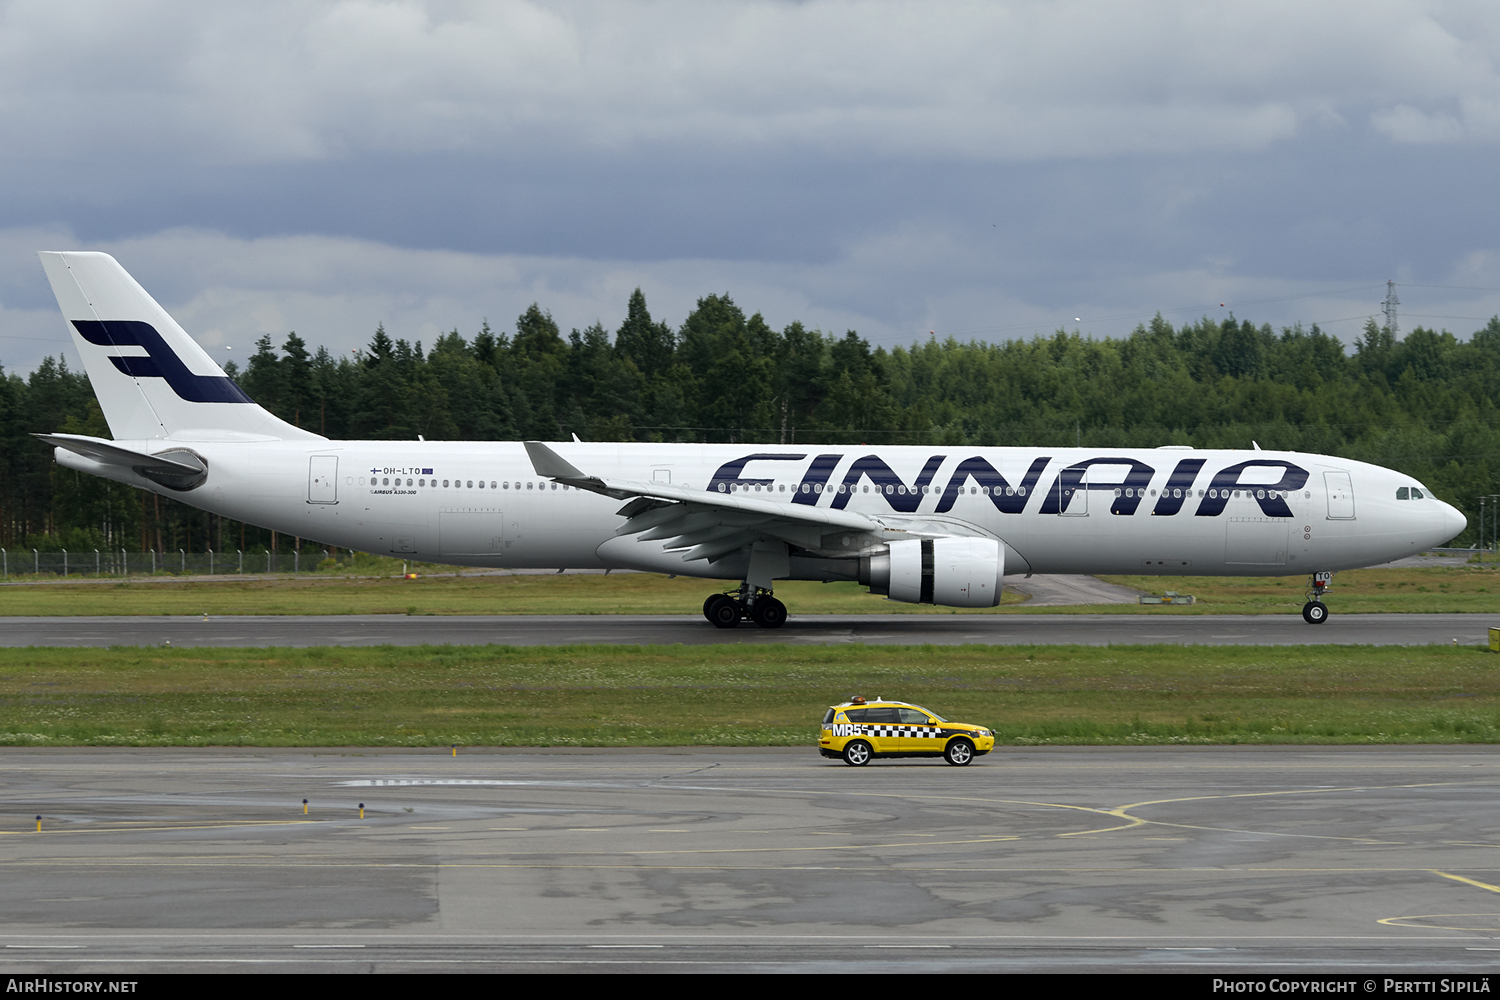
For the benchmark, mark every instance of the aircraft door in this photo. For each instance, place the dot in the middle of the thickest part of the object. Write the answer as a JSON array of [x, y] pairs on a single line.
[[1340, 495], [471, 531], [1256, 541], [323, 479], [1073, 501]]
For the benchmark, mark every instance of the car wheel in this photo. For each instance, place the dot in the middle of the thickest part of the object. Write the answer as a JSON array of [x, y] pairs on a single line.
[[959, 752], [857, 753], [769, 613], [723, 610], [1314, 613]]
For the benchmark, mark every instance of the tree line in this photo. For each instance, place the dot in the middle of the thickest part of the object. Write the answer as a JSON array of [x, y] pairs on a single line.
[[1423, 404]]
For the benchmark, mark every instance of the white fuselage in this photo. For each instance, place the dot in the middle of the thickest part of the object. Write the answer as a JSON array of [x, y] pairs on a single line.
[[1058, 510]]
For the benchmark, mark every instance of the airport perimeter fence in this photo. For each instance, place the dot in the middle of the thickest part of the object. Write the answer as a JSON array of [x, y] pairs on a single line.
[[177, 562]]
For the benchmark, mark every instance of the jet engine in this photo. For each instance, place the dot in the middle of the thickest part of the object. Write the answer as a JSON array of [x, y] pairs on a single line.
[[953, 572]]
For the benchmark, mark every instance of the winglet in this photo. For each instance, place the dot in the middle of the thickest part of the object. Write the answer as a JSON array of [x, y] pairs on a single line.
[[549, 463]]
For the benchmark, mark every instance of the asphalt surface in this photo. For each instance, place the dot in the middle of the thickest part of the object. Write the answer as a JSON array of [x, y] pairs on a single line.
[[552, 630], [1212, 860], [1062, 589]]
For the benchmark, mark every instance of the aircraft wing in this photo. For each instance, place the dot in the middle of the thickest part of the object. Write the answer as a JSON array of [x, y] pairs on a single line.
[[710, 525]]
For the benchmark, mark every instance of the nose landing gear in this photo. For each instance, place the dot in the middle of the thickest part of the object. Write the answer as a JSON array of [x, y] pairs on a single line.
[[756, 604], [1315, 612]]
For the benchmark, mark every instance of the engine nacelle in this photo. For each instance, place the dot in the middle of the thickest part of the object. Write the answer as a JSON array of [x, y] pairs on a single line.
[[954, 572]]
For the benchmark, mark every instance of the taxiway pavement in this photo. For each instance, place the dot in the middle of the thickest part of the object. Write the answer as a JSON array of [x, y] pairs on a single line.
[[1215, 860], [552, 630]]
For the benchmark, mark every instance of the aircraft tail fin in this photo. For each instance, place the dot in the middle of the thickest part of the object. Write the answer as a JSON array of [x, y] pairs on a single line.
[[152, 379]]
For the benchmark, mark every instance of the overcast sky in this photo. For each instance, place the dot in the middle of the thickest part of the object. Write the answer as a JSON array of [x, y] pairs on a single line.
[[981, 170]]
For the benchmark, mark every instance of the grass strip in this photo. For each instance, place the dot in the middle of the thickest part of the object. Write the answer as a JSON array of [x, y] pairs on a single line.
[[740, 695], [1408, 589]]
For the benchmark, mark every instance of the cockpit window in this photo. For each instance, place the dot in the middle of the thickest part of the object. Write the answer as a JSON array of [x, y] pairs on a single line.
[[1402, 493]]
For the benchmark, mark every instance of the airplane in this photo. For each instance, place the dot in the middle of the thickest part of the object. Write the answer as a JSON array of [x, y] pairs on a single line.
[[923, 525]]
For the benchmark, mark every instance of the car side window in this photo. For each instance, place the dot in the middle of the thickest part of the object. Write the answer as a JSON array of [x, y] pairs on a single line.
[[913, 717], [881, 715]]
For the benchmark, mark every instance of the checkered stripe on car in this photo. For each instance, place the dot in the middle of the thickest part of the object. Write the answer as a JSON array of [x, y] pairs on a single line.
[[903, 732]]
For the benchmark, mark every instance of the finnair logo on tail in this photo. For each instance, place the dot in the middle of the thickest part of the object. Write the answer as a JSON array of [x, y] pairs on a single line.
[[160, 361]]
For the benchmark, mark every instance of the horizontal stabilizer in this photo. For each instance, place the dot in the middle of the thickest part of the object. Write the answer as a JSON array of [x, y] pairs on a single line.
[[177, 468]]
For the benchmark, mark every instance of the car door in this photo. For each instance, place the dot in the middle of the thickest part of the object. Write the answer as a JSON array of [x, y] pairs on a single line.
[[919, 734], [879, 725]]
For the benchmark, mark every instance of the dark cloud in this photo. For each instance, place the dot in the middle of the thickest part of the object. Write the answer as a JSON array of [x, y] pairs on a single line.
[[984, 170]]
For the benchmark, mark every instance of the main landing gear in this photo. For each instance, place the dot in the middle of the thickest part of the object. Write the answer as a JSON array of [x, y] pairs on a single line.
[[756, 604], [1315, 612]]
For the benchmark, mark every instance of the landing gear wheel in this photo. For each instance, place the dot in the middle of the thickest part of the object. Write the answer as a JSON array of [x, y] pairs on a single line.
[[768, 612], [959, 752], [1314, 612], [857, 753], [722, 610]]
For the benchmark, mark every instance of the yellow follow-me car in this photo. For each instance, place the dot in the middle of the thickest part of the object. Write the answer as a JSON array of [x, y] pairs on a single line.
[[858, 730]]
